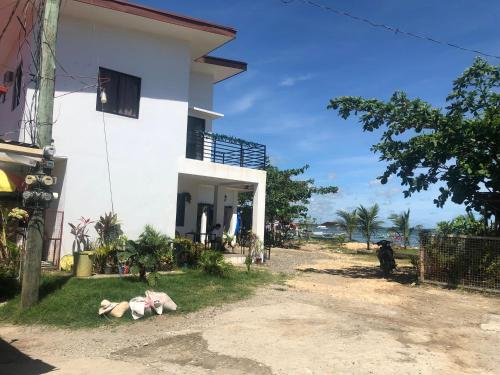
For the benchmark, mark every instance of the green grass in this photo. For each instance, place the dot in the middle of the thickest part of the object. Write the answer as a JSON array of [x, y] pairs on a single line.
[[72, 302], [409, 251]]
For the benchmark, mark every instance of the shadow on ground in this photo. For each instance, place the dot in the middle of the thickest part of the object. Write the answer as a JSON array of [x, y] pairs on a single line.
[[404, 275], [13, 361]]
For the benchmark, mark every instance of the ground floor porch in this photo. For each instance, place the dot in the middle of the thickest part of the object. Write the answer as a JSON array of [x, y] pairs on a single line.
[[208, 201], [187, 199]]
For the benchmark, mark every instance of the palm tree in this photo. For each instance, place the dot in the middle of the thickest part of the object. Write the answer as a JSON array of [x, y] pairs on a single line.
[[347, 220], [368, 222], [401, 225]]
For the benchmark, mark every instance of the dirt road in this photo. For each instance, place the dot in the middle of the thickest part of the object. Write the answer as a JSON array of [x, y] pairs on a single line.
[[336, 317]]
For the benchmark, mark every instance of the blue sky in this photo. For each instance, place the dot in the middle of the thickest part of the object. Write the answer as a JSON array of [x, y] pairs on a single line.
[[299, 57]]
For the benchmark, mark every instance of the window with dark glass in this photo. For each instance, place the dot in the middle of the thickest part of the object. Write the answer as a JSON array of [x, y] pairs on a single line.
[[195, 140], [122, 92], [181, 210], [17, 89]]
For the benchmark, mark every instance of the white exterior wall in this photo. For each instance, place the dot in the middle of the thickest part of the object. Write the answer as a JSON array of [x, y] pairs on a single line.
[[143, 152], [201, 94]]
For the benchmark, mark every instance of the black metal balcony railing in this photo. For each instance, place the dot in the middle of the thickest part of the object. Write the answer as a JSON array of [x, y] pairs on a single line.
[[225, 150]]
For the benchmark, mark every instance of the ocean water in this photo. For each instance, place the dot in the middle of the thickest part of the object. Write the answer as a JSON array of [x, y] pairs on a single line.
[[382, 234]]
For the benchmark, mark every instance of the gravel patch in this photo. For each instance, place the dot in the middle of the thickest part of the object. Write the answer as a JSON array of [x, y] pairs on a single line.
[[288, 260]]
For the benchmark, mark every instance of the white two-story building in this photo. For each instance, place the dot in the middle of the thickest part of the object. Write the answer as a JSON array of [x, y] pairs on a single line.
[[133, 120]]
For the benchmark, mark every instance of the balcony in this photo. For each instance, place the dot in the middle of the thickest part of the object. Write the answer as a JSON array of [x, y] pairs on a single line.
[[224, 149]]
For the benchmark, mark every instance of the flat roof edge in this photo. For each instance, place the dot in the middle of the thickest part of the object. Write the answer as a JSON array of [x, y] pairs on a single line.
[[234, 64]]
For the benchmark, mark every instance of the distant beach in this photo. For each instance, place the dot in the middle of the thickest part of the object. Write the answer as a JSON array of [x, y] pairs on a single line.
[[382, 234]]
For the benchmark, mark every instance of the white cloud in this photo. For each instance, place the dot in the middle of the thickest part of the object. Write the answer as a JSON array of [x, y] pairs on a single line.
[[292, 81], [332, 176], [245, 102]]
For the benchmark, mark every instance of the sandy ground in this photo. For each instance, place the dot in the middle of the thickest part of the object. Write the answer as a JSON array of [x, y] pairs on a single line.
[[337, 316]]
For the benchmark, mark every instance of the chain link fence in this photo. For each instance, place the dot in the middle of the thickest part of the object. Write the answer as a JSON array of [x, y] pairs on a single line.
[[460, 261]]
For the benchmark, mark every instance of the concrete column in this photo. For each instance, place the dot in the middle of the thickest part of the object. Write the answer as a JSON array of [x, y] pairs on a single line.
[[259, 209], [234, 219], [232, 224], [219, 204], [216, 204], [203, 226]]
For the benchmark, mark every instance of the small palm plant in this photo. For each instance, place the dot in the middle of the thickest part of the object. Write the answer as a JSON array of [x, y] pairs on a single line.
[[347, 221], [146, 253], [401, 225], [368, 222]]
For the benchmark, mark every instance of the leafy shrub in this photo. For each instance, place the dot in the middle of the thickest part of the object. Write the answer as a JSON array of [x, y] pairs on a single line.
[[213, 263], [186, 253], [145, 254], [10, 255], [108, 228], [109, 242], [339, 239], [167, 260], [80, 232], [415, 262], [466, 225]]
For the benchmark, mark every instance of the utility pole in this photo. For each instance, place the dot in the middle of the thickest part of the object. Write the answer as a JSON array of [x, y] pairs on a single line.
[[39, 199]]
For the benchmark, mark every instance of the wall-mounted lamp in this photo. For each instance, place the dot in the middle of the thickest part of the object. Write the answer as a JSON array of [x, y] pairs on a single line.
[[104, 97]]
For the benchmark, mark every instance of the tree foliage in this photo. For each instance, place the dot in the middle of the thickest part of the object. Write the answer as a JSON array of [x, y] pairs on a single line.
[[347, 221], [368, 222], [466, 225], [287, 196], [459, 146]]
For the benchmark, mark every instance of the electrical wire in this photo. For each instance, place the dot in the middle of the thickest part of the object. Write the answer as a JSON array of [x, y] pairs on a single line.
[[392, 29], [107, 157]]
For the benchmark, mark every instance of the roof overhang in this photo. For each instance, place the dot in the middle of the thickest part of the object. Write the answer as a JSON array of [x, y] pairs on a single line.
[[219, 68], [204, 113], [202, 36]]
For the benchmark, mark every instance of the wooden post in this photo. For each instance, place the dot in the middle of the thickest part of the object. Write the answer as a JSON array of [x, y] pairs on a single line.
[[421, 269], [44, 119]]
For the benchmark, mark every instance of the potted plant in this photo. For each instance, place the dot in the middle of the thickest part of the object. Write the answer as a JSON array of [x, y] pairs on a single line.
[[81, 246]]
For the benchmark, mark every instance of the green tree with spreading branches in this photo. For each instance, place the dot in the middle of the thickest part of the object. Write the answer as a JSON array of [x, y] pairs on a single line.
[[458, 146], [287, 195]]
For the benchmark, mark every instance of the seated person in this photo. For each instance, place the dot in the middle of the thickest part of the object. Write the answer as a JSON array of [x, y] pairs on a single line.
[[216, 236]]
